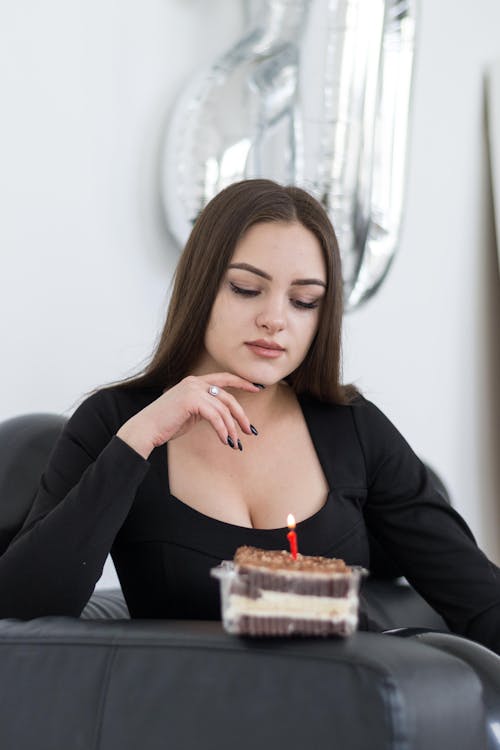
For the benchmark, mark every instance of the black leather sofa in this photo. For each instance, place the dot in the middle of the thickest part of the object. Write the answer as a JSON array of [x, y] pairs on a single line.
[[105, 681]]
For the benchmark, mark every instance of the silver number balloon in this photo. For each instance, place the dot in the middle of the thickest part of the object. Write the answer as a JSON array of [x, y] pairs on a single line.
[[317, 94]]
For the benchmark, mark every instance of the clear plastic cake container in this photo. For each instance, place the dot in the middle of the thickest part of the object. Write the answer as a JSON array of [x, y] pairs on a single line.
[[250, 607]]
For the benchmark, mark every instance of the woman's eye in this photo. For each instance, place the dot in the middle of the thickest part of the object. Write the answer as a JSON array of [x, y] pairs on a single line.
[[253, 293], [246, 292], [307, 305]]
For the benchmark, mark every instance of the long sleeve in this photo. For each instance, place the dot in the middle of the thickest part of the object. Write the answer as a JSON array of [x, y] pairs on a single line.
[[85, 493], [432, 543]]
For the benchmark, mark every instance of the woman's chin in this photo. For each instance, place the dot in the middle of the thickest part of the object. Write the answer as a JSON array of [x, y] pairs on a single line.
[[256, 373], [260, 378]]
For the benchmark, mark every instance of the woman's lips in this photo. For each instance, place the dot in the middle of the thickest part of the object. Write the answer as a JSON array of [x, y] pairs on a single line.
[[262, 351]]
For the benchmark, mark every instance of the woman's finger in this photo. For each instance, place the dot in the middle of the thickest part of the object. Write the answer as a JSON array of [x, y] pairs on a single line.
[[236, 410], [214, 414], [225, 412], [228, 380]]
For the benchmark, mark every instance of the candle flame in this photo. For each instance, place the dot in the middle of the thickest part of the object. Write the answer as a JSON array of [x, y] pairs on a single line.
[[290, 521]]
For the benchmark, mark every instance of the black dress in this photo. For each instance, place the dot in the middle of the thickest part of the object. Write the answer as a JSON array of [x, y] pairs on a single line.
[[99, 495]]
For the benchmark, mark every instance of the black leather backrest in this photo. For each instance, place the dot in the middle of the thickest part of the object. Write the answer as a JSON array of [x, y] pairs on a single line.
[[25, 445]]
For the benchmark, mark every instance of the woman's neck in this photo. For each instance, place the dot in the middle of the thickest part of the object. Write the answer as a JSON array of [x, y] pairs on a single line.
[[266, 407]]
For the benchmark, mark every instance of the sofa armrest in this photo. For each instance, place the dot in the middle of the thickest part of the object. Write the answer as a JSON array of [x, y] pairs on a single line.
[[134, 683], [485, 663]]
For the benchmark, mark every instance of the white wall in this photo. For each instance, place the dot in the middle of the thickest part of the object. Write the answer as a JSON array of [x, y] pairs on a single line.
[[493, 126], [426, 347], [86, 89]]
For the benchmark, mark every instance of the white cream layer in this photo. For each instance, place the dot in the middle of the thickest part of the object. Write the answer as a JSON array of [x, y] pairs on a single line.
[[281, 604]]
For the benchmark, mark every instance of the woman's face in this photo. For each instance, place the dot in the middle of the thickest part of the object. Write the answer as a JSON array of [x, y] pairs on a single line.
[[272, 292]]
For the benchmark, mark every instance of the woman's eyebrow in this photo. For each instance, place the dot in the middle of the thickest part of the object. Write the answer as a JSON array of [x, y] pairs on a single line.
[[259, 272]]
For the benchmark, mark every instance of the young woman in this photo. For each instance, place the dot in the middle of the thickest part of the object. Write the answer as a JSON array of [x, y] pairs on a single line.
[[239, 420]]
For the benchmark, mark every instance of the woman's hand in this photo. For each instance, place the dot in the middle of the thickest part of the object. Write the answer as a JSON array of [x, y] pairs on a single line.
[[177, 410]]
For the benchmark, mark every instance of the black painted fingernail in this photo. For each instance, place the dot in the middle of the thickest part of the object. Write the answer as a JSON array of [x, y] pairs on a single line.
[[253, 430], [259, 385], [240, 445], [230, 441]]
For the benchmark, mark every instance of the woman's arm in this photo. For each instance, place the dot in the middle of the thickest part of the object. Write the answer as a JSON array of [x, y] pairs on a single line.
[[85, 494], [89, 485], [432, 543]]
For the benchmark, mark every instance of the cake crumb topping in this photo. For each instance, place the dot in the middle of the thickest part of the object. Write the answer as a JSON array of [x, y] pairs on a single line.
[[283, 560]]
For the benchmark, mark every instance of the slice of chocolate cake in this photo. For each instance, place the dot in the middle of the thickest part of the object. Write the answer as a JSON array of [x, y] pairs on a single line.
[[268, 592]]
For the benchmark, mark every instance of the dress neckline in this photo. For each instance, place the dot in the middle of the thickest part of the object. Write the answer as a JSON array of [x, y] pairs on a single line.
[[163, 459], [282, 529]]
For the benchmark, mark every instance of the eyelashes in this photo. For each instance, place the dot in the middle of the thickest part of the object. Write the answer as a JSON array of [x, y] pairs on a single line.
[[253, 293]]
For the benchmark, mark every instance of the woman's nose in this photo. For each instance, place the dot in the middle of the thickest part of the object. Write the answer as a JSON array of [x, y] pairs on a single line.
[[272, 315]]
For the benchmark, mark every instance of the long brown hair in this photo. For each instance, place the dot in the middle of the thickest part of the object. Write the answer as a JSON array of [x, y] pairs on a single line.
[[200, 271]]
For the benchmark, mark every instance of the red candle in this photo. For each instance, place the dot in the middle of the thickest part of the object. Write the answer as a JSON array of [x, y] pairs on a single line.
[[292, 536]]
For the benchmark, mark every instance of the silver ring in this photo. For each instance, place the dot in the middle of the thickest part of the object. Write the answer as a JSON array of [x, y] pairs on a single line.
[[213, 390]]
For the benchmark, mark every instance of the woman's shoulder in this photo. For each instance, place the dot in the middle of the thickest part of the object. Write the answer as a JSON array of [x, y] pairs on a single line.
[[364, 426], [112, 405], [355, 401], [364, 415], [377, 434]]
